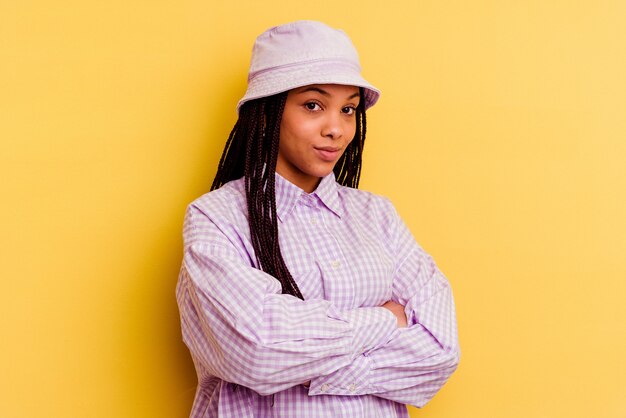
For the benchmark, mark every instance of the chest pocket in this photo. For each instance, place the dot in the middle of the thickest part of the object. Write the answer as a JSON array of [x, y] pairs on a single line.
[[309, 278], [369, 263], [343, 262], [372, 273]]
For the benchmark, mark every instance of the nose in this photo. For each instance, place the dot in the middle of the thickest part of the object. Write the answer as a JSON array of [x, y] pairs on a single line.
[[332, 128]]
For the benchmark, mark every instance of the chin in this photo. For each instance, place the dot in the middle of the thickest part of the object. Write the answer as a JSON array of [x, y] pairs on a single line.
[[323, 172]]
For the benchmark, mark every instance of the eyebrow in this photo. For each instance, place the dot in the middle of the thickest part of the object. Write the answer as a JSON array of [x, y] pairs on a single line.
[[324, 92]]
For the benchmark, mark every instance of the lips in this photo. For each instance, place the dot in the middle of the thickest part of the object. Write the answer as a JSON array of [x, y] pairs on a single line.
[[328, 153]]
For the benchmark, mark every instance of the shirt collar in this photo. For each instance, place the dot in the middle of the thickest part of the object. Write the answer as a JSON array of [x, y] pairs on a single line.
[[288, 195]]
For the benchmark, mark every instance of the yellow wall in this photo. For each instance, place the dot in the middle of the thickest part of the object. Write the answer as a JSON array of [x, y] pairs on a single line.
[[500, 136]]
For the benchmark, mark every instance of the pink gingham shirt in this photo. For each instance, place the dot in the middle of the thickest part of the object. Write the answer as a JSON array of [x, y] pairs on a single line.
[[349, 252]]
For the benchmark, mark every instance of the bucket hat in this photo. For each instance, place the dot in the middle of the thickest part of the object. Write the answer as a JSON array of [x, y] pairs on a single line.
[[302, 53]]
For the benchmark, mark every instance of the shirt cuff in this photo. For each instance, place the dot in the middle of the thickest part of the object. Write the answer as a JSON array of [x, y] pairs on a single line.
[[372, 327], [351, 380]]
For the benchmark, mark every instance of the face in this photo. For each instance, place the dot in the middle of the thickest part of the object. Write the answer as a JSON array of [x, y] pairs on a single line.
[[318, 123]]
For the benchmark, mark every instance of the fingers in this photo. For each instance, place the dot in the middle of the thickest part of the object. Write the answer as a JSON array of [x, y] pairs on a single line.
[[398, 310]]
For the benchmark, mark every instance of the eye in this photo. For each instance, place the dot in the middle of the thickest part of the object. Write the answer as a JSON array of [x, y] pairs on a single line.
[[312, 106], [349, 110]]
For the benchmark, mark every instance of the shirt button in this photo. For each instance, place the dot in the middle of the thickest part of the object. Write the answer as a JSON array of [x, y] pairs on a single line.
[[313, 221], [324, 388], [335, 264], [352, 388]]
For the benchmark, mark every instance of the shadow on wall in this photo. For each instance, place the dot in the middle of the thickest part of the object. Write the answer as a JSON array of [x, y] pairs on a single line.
[[150, 351], [161, 322]]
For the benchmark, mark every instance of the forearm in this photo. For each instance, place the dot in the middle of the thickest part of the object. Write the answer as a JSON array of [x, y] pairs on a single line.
[[409, 369], [279, 343], [412, 366]]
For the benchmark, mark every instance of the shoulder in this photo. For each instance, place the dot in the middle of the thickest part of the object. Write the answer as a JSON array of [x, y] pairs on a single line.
[[220, 212], [366, 202], [228, 200], [373, 212], [380, 218]]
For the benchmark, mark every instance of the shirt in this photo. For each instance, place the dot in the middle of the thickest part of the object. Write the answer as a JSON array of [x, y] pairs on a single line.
[[349, 252]]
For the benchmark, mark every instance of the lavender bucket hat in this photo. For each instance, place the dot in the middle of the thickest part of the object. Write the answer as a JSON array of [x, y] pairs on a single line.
[[302, 53]]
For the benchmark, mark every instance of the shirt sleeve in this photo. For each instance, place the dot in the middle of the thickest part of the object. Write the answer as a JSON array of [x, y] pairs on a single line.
[[241, 329], [418, 360]]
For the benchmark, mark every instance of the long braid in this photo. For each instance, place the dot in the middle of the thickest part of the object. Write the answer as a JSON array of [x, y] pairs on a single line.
[[251, 152], [278, 263], [348, 168], [261, 197]]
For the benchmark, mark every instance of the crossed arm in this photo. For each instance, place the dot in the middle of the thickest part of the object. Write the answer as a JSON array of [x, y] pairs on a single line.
[[240, 328]]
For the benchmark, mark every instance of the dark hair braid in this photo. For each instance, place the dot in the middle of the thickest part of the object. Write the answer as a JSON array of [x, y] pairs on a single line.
[[348, 167], [251, 151]]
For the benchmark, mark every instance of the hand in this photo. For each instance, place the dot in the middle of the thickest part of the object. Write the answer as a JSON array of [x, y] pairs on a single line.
[[398, 311]]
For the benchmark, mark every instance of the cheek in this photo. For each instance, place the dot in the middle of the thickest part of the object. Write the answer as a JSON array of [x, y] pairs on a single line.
[[351, 131], [296, 134], [290, 146]]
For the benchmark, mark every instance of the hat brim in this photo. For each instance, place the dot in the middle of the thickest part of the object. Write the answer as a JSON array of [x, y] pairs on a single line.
[[284, 79]]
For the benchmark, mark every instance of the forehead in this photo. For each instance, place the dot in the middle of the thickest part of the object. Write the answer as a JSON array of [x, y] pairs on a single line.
[[331, 90]]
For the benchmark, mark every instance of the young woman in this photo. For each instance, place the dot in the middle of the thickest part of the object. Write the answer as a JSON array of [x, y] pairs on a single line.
[[300, 295]]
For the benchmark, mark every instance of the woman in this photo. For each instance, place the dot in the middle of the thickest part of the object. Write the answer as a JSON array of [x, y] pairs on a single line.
[[299, 294]]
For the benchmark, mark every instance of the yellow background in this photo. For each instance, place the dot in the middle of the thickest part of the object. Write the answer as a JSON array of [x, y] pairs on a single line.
[[500, 136]]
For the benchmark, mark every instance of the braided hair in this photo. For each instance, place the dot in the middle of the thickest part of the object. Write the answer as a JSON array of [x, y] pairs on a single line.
[[251, 152]]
